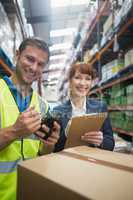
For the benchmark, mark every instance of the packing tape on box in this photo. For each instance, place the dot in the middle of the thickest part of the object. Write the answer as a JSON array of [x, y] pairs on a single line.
[[97, 161]]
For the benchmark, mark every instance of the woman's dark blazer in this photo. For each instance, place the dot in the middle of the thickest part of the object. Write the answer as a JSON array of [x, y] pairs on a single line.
[[64, 111]]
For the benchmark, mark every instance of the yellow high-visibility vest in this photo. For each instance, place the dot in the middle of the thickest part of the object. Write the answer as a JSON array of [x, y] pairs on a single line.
[[11, 155]]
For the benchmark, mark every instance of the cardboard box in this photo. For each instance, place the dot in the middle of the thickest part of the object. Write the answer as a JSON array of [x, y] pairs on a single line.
[[108, 23], [78, 173]]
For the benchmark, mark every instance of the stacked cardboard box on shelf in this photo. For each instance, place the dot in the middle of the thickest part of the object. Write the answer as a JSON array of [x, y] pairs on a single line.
[[129, 58], [128, 125], [122, 120], [117, 119], [130, 94], [108, 24], [87, 56], [111, 68], [118, 95]]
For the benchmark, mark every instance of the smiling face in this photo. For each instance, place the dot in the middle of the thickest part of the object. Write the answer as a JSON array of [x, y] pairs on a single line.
[[80, 84], [30, 64]]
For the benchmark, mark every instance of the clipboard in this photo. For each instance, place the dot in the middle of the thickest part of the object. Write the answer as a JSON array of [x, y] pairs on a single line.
[[79, 125]]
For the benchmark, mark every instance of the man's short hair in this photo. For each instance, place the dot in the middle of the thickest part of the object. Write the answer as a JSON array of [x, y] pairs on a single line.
[[36, 42]]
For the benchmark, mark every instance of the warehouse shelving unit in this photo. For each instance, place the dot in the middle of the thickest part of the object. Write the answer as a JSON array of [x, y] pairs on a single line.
[[87, 42], [124, 32], [110, 43], [101, 15], [11, 7], [118, 78], [117, 107]]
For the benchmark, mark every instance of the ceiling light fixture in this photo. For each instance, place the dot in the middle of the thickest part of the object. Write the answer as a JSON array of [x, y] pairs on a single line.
[[54, 66], [64, 3], [62, 32], [60, 46], [56, 57]]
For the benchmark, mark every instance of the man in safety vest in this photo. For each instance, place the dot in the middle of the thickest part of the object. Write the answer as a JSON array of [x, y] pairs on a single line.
[[20, 118]]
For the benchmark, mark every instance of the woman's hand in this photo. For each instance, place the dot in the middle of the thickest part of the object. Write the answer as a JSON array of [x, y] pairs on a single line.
[[95, 137]]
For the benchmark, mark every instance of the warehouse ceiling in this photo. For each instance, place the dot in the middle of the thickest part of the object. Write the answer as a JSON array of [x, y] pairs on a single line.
[[47, 17], [57, 22]]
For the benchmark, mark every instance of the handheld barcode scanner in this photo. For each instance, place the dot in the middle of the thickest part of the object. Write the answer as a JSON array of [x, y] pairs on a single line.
[[49, 122]]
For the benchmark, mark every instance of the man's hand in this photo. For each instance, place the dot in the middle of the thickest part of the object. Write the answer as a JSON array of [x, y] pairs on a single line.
[[48, 145], [95, 137], [27, 123]]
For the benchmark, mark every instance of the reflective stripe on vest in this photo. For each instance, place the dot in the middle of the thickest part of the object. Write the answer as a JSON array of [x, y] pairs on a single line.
[[7, 167], [32, 137], [10, 166], [0, 121]]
